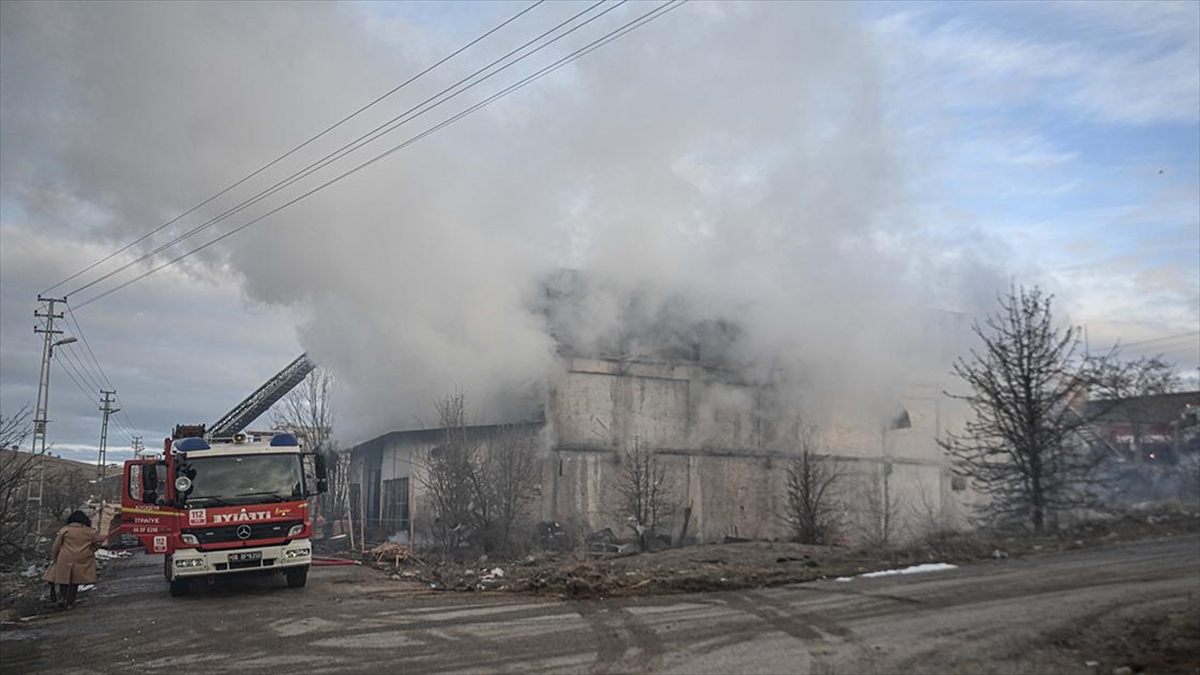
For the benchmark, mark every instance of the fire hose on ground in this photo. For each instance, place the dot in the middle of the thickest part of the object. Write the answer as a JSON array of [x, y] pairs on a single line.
[[323, 561]]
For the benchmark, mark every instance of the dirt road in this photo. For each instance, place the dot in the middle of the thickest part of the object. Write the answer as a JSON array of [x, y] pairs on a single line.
[[1037, 615]]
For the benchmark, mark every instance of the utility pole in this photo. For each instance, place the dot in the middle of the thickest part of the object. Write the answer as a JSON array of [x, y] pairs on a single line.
[[40, 418], [138, 448], [106, 402]]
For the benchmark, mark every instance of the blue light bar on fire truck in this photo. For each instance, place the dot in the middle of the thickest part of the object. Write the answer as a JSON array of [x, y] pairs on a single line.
[[284, 440], [190, 445]]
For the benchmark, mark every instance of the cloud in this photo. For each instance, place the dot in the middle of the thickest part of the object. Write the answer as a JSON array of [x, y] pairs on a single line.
[[748, 154], [184, 356], [1129, 67]]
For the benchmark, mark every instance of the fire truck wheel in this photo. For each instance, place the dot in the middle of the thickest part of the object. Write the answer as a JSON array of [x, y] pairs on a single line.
[[297, 577], [180, 587]]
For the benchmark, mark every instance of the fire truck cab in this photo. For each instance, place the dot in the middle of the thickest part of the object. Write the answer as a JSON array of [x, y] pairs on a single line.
[[224, 506]]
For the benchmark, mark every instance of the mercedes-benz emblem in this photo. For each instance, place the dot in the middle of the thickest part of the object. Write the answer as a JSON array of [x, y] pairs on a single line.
[[243, 532]]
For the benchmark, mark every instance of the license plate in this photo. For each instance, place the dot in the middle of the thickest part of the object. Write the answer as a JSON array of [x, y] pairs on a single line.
[[245, 556]]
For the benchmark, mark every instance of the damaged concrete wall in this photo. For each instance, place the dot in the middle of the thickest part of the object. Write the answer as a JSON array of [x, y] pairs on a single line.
[[725, 445], [724, 449]]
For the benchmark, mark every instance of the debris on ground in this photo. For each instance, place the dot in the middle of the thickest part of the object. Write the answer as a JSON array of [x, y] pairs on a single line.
[[607, 566], [105, 554], [395, 553]]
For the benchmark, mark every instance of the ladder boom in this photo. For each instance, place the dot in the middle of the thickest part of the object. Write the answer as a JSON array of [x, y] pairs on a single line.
[[263, 398]]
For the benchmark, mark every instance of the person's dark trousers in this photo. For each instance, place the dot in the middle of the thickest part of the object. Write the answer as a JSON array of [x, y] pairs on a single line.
[[67, 593]]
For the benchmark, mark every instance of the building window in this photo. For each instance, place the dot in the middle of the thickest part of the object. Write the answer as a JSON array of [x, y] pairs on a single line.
[[395, 505], [355, 505], [958, 483], [374, 510]]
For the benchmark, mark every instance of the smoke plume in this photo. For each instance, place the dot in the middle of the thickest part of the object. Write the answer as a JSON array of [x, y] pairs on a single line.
[[730, 166]]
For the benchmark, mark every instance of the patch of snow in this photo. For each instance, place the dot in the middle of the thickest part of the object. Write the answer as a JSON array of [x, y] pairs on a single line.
[[914, 569], [105, 554], [87, 587]]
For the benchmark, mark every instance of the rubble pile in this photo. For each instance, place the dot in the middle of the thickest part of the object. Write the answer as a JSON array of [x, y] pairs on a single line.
[[705, 568], [395, 553], [605, 566]]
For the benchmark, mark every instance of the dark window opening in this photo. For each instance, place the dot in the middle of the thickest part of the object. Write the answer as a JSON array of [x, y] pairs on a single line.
[[395, 505]]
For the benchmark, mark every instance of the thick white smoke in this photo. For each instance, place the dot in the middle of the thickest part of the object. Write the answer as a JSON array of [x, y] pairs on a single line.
[[738, 154]]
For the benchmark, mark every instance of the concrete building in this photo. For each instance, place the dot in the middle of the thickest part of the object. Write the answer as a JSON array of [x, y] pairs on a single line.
[[724, 442]]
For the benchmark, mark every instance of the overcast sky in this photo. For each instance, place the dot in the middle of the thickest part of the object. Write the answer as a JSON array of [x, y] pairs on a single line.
[[826, 161]]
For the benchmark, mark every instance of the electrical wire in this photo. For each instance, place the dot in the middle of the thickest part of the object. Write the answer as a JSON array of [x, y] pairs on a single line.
[[73, 376], [1169, 338], [77, 369], [85, 375], [117, 397], [387, 127], [287, 154], [642, 20], [82, 389]]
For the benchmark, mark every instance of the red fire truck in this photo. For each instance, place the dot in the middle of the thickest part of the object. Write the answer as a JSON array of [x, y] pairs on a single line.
[[224, 506]]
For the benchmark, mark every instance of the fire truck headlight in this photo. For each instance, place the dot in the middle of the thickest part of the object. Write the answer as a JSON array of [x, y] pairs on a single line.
[[183, 484], [296, 530], [189, 539], [296, 553]]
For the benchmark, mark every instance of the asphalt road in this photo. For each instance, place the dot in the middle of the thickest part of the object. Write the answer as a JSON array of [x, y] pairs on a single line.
[[995, 617]]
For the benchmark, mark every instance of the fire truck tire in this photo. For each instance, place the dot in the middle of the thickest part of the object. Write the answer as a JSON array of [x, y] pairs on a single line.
[[297, 577], [180, 587]]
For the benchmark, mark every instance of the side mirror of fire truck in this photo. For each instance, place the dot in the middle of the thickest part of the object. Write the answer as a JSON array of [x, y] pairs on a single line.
[[322, 474]]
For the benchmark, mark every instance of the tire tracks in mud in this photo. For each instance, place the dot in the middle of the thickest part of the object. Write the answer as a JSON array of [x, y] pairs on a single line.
[[623, 641], [822, 638]]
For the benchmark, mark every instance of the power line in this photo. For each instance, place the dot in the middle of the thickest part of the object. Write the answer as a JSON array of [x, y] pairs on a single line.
[[611, 36], [1169, 338], [77, 363], [83, 338], [123, 423], [82, 389], [369, 137], [77, 372], [298, 147], [629, 27]]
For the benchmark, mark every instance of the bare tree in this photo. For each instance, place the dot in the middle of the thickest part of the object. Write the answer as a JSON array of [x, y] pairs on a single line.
[[812, 510], [65, 493], [17, 469], [307, 411], [645, 499], [449, 479], [510, 467], [1020, 446], [877, 509], [932, 518], [478, 487]]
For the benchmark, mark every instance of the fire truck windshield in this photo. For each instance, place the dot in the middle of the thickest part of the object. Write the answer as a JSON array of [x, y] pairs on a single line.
[[246, 479]]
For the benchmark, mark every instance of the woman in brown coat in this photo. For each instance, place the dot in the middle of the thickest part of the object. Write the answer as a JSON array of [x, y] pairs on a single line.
[[73, 558]]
